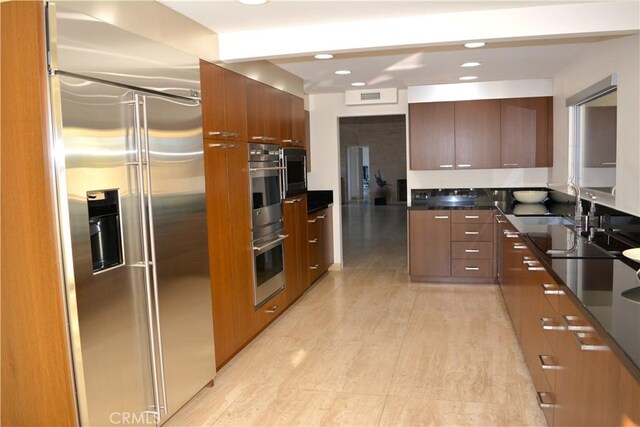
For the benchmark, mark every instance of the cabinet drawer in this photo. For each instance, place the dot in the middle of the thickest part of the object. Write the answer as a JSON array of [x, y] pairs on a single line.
[[471, 217], [471, 250], [472, 232], [471, 268]]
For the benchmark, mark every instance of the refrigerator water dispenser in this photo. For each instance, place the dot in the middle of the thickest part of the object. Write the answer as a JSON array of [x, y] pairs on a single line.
[[104, 229]]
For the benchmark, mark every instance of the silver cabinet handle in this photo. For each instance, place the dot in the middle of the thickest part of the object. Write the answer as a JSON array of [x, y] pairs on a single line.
[[275, 168], [280, 238], [509, 164], [536, 268], [314, 267], [608, 163], [569, 322], [263, 138], [287, 140], [321, 217], [272, 309], [472, 233], [550, 289], [499, 221], [472, 251], [441, 217], [464, 165], [519, 246], [545, 400], [578, 336], [219, 145], [289, 202], [313, 240], [472, 268], [446, 166], [546, 362], [548, 325], [225, 134], [472, 216]]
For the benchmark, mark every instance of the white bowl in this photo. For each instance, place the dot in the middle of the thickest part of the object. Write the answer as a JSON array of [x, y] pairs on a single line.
[[530, 196]]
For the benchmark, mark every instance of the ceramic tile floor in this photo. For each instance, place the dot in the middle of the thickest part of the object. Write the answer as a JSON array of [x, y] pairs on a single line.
[[365, 347]]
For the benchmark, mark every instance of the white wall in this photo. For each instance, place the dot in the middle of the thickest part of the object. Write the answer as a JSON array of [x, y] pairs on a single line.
[[324, 110], [621, 56]]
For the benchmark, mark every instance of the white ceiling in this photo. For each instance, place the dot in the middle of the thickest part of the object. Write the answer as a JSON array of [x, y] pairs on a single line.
[[539, 52]]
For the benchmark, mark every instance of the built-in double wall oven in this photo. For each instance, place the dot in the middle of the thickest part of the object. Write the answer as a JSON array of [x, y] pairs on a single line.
[[265, 173]]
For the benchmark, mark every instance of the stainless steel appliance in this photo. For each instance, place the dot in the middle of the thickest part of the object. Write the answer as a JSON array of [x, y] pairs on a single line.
[[268, 251], [294, 176], [264, 174], [131, 202]]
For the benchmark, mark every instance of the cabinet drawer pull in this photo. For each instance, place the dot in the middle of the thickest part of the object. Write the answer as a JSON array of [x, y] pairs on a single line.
[[578, 336], [519, 246], [314, 267], [509, 164], [550, 289], [472, 268], [219, 145], [547, 324], [499, 221], [446, 166], [472, 233], [321, 217], [472, 251], [464, 165], [441, 217], [531, 262], [272, 309], [545, 399], [471, 216], [311, 221], [569, 322], [216, 133], [313, 240], [546, 362], [292, 201], [535, 268]]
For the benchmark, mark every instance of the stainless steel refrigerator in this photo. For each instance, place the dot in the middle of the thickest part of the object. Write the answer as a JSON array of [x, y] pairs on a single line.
[[131, 202]]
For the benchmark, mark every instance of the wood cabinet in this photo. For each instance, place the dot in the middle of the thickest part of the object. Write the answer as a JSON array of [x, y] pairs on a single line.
[[230, 250], [320, 240], [481, 134], [262, 113], [224, 103], [524, 133], [513, 251], [296, 246], [432, 136], [477, 130], [472, 243], [429, 243], [285, 117], [298, 122]]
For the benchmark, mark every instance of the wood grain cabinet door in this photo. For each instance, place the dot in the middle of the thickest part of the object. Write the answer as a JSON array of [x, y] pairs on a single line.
[[477, 134], [235, 106], [431, 136], [298, 131], [524, 133], [429, 243]]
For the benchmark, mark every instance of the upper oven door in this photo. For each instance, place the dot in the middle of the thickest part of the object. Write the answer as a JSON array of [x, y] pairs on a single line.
[[265, 192]]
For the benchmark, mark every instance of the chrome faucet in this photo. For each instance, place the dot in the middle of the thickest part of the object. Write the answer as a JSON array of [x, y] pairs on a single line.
[[578, 203]]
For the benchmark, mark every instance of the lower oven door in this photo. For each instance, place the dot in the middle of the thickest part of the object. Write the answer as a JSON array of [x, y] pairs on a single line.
[[269, 274]]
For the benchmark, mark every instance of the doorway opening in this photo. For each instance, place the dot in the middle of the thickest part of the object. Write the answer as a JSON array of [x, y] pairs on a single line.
[[373, 167]]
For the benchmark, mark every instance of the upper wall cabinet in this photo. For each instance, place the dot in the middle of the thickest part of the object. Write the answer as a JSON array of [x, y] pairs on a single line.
[[477, 130], [263, 109], [431, 132], [524, 132], [224, 103], [298, 125], [484, 134]]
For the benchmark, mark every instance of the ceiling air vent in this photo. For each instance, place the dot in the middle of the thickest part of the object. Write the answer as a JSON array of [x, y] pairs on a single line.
[[371, 96]]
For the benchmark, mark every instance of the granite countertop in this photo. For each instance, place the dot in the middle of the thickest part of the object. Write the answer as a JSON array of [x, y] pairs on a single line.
[[318, 200], [595, 280]]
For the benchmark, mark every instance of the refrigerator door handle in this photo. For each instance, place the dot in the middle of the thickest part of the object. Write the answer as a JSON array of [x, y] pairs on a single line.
[[154, 271], [137, 121]]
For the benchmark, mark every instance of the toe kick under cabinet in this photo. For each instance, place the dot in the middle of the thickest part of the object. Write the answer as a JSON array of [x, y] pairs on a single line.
[[451, 246]]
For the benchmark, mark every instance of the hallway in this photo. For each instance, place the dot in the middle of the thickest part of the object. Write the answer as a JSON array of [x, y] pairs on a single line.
[[364, 346]]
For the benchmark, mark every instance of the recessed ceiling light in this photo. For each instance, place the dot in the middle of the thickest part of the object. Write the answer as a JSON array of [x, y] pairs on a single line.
[[343, 72], [470, 64], [358, 84], [253, 2], [323, 56], [472, 45], [467, 78]]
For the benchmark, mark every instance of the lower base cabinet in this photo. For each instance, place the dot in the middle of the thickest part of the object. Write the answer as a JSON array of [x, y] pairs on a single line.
[[320, 241], [296, 246]]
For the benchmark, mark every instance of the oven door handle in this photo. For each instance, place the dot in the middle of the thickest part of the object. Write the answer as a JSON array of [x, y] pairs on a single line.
[[271, 244], [275, 168]]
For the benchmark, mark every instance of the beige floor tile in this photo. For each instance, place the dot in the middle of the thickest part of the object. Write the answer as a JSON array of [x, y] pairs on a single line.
[[207, 406]]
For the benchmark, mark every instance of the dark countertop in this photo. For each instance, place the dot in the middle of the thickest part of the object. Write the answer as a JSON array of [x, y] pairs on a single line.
[[318, 200], [595, 281]]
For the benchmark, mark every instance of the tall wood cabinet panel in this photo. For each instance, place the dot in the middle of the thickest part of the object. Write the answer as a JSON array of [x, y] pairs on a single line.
[[524, 132], [432, 136], [230, 250], [224, 103], [262, 113], [429, 243], [298, 130], [477, 134], [37, 387], [296, 246]]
